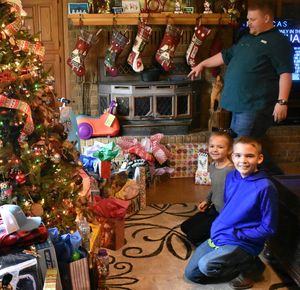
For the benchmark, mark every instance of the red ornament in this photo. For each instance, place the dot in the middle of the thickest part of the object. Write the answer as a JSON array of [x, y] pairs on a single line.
[[20, 178]]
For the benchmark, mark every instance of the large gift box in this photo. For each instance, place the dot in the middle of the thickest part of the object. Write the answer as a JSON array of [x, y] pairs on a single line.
[[23, 270], [184, 158], [47, 260]]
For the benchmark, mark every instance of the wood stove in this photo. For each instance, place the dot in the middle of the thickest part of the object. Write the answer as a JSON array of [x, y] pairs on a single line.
[[145, 108]]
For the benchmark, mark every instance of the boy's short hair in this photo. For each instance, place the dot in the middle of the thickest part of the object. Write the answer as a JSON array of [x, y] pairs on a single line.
[[249, 140], [222, 134], [267, 6]]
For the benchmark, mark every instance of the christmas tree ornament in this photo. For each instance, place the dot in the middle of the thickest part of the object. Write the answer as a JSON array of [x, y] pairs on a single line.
[[20, 177], [78, 179], [142, 38], [76, 256], [165, 53], [37, 209], [79, 53], [56, 158], [117, 45], [199, 36], [5, 189]]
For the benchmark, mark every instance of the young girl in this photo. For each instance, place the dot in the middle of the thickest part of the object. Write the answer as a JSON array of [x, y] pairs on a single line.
[[197, 227]]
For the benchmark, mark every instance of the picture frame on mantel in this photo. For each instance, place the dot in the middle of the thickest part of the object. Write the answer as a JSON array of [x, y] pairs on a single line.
[[131, 6], [78, 8]]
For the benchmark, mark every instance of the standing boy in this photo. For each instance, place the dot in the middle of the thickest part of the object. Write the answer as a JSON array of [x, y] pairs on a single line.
[[248, 219]]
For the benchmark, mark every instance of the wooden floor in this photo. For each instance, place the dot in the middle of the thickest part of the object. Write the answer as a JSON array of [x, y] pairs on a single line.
[[178, 190]]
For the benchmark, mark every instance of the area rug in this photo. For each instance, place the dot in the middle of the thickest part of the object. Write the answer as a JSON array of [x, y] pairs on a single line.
[[156, 252]]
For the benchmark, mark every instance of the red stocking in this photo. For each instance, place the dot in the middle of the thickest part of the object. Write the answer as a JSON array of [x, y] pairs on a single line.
[[83, 44], [165, 53], [199, 36]]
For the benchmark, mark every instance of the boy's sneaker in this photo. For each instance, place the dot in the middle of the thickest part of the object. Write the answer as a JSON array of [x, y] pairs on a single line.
[[241, 282], [247, 279]]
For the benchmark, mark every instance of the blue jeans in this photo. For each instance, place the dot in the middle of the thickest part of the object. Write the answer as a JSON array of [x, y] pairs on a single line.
[[217, 263], [253, 124]]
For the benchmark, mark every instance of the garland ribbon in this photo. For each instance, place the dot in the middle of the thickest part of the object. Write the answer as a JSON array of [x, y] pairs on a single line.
[[23, 107]]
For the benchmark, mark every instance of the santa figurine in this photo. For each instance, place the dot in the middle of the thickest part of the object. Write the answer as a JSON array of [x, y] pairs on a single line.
[[207, 8], [177, 7]]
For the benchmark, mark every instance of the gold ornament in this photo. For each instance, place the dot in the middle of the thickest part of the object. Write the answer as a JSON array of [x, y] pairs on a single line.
[[36, 209]]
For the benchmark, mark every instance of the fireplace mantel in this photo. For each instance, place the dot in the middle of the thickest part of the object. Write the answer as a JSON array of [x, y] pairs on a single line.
[[162, 18]]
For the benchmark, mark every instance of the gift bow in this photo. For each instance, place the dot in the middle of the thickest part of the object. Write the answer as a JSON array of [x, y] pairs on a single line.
[[131, 145], [160, 152]]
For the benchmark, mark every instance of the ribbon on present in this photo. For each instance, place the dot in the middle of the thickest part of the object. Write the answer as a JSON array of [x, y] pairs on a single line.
[[23, 107]]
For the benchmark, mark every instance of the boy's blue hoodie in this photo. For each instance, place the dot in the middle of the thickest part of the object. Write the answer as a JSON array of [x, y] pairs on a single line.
[[249, 216]]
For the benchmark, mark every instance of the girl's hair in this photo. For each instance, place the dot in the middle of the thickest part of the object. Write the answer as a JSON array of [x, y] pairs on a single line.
[[249, 140], [224, 134]]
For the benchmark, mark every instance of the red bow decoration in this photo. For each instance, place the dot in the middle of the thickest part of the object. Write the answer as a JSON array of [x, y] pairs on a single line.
[[148, 146], [131, 145], [160, 152]]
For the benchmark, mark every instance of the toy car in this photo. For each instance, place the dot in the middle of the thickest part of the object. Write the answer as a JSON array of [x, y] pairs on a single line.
[[96, 126], [105, 125]]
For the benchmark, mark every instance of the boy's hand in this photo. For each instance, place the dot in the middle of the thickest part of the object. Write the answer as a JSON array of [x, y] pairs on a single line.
[[202, 206]]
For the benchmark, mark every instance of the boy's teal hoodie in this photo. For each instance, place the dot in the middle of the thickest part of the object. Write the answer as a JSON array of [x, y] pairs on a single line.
[[249, 216]]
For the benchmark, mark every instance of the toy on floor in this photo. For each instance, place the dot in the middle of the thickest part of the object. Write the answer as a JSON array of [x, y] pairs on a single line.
[[105, 125]]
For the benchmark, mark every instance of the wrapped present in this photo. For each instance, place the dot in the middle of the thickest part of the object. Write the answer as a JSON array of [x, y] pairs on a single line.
[[111, 233], [134, 206], [109, 214], [79, 273], [202, 174], [52, 280], [47, 261], [140, 178], [184, 158], [104, 169], [129, 191], [23, 271]]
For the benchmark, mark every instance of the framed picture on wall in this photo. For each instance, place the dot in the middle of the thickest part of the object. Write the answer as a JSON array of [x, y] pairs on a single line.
[[78, 8]]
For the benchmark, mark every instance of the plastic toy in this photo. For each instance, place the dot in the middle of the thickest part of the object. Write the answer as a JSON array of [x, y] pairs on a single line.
[[105, 125]]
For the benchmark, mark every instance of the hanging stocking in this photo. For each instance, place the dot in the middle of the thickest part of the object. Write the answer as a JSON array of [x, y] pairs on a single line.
[[83, 44], [215, 48], [165, 53], [134, 59], [118, 43], [199, 36]]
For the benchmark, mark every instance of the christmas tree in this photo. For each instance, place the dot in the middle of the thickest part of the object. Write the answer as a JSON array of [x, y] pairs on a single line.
[[39, 167]]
